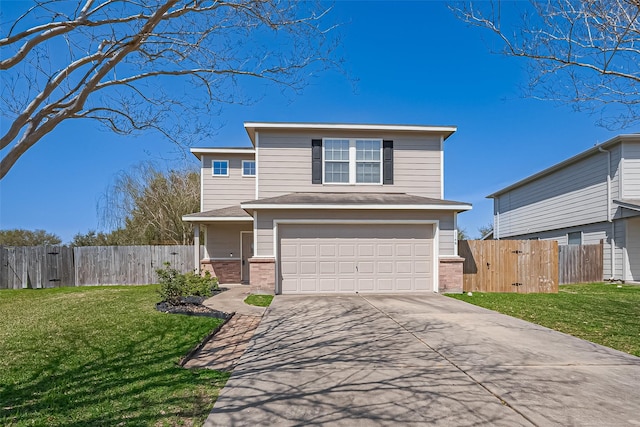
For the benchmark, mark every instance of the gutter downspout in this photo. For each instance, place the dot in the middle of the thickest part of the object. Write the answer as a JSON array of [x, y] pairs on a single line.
[[609, 217]]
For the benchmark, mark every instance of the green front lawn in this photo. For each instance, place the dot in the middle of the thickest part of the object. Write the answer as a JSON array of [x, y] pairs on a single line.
[[259, 300], [600, 313], [100, 356]]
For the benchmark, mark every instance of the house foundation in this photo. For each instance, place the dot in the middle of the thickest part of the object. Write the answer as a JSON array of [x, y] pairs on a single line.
[[450, 275], [262, 275], [227, 271]]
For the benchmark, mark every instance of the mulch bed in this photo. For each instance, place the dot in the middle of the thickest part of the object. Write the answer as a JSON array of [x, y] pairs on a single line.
[[192, 306]]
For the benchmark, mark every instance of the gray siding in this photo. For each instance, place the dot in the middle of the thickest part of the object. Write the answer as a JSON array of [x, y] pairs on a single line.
[[569, 197], [631, 171], [222, 240], [223, 191], [284, 164], [265, 238], [632, 258]]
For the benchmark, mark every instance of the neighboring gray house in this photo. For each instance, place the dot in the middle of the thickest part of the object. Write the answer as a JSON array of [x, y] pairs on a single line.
[[590, 197], [330, 208]]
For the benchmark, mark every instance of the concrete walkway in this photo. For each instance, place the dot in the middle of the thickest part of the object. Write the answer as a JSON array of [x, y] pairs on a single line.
[[232, 301], [223, 350], [421, 360]]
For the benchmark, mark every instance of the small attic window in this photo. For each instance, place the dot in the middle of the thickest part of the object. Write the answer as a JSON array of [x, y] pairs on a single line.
[[248, 168], [220, 167]]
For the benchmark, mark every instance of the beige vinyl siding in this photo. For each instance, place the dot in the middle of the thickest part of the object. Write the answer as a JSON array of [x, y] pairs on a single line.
[[223, 240], [265, 244], [285, 164], [569, 197], [223, 191], [631, 168]]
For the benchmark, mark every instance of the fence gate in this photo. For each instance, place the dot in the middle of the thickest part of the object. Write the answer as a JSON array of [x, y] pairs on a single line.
[[36, 267], [521, 266]]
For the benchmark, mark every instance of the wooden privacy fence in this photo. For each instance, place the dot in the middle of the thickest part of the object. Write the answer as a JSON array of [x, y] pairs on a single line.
[[581, 263], [36, 267], [522, 266], [55, 266]]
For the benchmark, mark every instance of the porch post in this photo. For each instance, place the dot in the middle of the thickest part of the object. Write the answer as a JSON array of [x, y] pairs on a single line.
[[196, 247]]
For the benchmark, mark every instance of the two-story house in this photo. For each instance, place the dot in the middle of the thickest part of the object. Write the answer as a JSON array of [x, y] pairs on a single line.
[[330, 208], [590, 197]]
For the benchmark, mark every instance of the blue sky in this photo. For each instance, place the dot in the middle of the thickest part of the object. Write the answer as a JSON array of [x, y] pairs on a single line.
[[408, 63]]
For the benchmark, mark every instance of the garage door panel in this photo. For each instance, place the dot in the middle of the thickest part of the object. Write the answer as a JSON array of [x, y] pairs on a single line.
[[422, 283], [403, 250], [422, 267], [308, 267], [348, 267], [328, 284], [308, 285], [366, 250], [347, 249], [365, 285], [404, 283], [404, 267], [327, 267], [327, 250], [289, 267], [385, 250], [289, 250], [289, 286], [365, 267], [310, 250], [385, 267], [385, 284], [422, 249], [356, 258]]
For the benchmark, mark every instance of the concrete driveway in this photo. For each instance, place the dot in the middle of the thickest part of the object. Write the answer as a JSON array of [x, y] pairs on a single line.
[[421, 360]]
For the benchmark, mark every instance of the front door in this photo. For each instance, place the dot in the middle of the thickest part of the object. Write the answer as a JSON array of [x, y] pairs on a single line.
[[247, 252]]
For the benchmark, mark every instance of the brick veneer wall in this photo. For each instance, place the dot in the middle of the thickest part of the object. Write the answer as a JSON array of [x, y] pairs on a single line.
[[450, 275], [225, 271], [262, 275]]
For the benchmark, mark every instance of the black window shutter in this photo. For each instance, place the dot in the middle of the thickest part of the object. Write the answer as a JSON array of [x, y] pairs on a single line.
[[316, 161], [387, 162]]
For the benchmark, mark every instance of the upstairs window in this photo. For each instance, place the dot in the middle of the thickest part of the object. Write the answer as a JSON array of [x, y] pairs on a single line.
[[220, 167], [248, 168], [336, 161], [368, 161], [352, 161]]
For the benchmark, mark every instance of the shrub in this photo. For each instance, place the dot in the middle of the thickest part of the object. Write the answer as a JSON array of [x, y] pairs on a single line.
[[174, 286], [198, 285]]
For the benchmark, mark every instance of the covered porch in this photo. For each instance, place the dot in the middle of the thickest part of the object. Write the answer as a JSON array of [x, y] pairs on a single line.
[[228, 243]]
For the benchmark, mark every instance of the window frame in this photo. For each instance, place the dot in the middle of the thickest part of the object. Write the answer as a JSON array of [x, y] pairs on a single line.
[[353, 162], [579, 233], [213, 169], [254, 168]]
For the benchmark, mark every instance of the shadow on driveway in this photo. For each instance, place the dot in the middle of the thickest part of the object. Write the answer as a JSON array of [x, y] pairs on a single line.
[[418, 360]]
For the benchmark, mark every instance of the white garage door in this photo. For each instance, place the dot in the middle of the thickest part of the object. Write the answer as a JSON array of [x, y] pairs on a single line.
[[374, 258]]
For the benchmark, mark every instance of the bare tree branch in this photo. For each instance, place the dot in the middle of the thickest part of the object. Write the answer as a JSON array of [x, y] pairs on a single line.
[[111, 61], [584, 53]]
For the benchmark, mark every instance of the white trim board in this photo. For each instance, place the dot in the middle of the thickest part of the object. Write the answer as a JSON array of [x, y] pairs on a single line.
[[218, 219], [257, 206], [248, 150], [241, 254]]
